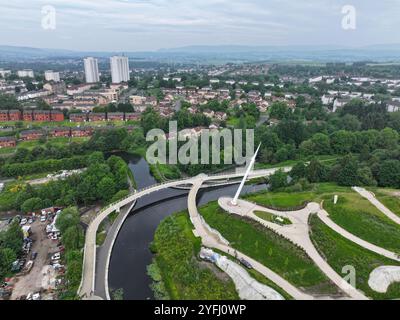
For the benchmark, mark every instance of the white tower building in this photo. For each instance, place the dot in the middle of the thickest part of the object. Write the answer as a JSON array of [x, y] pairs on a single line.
[[119, 69], [50, 75], [91, 70]]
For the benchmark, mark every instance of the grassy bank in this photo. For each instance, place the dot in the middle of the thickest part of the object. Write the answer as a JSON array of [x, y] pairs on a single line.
[[176, 271], [358, 216], [340, 252], [268, 248], [389, 197]]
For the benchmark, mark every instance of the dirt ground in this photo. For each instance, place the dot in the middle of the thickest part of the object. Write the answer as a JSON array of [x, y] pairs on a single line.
[[40, 275]]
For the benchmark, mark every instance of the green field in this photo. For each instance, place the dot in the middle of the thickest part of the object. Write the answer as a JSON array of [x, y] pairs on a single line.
[[268, 248], [272, 218], [340, 252], [176, 271], [389, 197], [361, 218]]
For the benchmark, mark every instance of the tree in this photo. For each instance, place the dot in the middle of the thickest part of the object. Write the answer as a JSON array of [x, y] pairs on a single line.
[[73, 238], [12, 238], [389, 174], [32, 205], [316, 171], [388, 138], [106, 188], [279, 110], [347, 173], [342, 141], [298, 171], [278, 180], [69, 217], [7, 257]]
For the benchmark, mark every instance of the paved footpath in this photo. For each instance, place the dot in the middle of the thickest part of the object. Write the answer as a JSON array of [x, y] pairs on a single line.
[[212, 241], [381, 207], [297, 232]]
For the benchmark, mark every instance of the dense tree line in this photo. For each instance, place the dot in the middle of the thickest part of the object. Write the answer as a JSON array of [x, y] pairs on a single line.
[[11, 242], [100, 182], [51, 165], [72, 237]]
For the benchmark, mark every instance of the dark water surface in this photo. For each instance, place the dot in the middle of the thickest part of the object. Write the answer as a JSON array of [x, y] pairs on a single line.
[[131, 254]]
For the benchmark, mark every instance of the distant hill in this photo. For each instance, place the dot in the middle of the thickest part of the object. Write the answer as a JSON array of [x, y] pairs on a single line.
[[225, 53]]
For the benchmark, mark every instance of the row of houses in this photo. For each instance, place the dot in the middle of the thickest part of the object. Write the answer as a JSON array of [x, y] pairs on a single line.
[[31, 116], [30, 135], [104, 116]]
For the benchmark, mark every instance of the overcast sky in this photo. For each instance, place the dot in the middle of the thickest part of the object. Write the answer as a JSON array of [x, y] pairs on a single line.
[[138, 25]]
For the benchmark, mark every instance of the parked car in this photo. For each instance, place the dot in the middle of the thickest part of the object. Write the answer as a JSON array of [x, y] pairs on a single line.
[[34, 255], [43, 218], [30, 221], [246, 263], [56, 256], [23, 221]]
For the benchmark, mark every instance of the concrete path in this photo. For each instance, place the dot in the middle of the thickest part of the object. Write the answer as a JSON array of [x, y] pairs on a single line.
[[324, 216], [104, 254], [211, 240], [379, 205], [298, 232]]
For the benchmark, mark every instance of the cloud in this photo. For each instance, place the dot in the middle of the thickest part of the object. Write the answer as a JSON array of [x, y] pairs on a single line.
[[153, 24]]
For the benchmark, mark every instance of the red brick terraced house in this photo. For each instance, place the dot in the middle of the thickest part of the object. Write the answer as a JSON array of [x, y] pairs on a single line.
[[7, 142], [3, 115], [60, 132], [132, 116], [14, 115], [115, 116], [97, 117], [27, 115], [82, 132], [57, 116], [29, 135], [78, 117], [41, 115]]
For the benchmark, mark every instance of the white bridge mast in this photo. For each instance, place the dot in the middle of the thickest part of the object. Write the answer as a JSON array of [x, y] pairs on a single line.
[[249, 168]]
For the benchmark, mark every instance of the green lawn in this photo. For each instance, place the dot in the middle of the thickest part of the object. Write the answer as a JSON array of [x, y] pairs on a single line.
[[280, 200], [268, 248], [358, 216], [340, 252], [177, 272], [390, 198], [272, 218]]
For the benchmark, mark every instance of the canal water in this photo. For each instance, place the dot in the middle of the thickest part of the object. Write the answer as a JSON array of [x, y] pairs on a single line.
[[131, 254]]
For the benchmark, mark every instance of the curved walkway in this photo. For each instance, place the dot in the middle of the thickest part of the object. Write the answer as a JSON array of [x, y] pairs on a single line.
[[379, 205], [298, 232], [212, 240], [88, 281]]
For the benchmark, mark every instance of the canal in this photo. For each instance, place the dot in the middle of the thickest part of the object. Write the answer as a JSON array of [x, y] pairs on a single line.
[[131, 254]]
